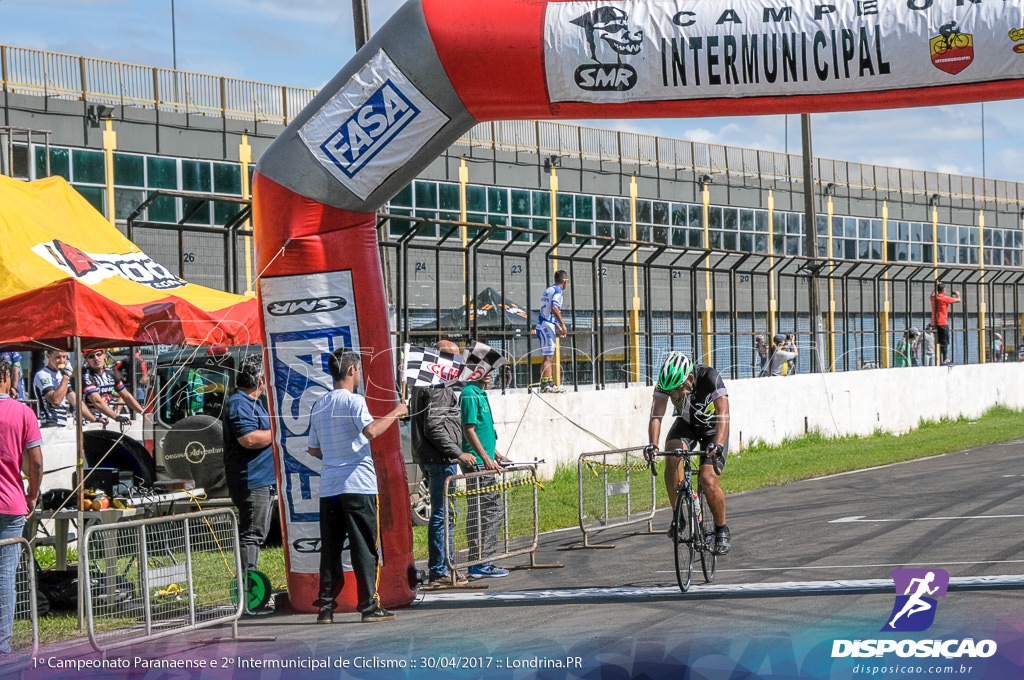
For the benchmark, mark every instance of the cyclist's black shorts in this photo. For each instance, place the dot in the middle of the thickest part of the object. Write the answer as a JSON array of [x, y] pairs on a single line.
[[684, 431]]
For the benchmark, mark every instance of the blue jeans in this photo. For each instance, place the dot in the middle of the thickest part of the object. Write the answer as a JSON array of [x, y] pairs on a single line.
[[11, 526], [436, 474]]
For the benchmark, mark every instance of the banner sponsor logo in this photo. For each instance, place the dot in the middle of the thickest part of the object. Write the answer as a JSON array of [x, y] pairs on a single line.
[[952, 51], [665, 50], [328, 303], [91, 268], [298, 345], [372, 126]]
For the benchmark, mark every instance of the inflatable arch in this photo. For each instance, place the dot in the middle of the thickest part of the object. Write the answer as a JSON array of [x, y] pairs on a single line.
[[440, 66]]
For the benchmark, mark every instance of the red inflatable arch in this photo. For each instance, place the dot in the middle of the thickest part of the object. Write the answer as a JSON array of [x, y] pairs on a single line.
[[440, 66]]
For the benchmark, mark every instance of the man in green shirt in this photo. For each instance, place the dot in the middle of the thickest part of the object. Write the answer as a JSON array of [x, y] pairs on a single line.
[[484, 512]]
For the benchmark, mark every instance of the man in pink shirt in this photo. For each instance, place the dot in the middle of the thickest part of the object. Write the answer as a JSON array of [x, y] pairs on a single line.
[[20, 450], [940, 318]]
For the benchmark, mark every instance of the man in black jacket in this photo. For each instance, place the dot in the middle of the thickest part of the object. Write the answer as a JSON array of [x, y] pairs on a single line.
[[437, 447]]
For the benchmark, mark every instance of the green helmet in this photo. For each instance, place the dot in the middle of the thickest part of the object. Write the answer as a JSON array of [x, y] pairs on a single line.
[[674, 372]]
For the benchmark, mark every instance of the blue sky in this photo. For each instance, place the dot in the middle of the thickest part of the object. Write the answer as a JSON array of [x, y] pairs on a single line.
[[303, 43]]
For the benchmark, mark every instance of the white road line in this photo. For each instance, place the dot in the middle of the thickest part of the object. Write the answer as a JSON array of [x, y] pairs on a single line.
[[862, 518], [837, 567], [738, 589]]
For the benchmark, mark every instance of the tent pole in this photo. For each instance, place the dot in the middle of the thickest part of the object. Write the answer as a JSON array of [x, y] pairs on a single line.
[[79, 466]]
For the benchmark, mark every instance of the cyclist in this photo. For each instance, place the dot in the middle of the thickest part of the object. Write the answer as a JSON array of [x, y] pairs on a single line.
[[701, 406]]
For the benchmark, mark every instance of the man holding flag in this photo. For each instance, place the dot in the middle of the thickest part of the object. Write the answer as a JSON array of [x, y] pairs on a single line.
[[436, 442]]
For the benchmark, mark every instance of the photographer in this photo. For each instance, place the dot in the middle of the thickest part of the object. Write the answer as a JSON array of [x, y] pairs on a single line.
[[784, 350]]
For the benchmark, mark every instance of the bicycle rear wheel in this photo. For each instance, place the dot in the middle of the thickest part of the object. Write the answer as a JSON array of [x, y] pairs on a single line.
[[708, 559], [683, 540]]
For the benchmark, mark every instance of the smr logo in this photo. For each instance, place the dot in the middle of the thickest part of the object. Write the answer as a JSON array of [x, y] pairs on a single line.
[[914, 609], [608, 28]]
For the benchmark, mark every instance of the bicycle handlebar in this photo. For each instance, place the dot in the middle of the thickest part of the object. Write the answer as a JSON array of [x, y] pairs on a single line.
[[674, 453]]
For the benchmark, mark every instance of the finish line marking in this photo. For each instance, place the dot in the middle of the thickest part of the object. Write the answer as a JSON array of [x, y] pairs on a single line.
[[862, 518], [709, 590], [862, 566]]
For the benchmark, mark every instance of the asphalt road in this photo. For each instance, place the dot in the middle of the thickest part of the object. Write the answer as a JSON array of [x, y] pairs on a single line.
[[810, 564]]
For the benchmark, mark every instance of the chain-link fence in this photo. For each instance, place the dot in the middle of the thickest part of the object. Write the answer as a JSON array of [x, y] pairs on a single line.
[[615, 488], [497, 513], [19, 629], [151, 578]]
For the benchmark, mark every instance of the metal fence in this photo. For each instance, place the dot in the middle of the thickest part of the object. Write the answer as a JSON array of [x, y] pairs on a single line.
[[616, 488], [150, 578], [499, 515], [18, 591], [709, 303]]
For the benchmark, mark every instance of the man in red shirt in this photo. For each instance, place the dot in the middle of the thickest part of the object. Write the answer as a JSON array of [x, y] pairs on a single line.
[[940, 318]]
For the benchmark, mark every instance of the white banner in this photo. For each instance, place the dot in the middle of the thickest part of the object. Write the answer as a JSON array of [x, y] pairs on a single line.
[[371, 127], [306, 318], [613, 52]]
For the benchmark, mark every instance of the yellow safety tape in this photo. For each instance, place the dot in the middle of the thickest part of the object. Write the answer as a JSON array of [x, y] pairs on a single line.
[[594, 464], [497, 487]]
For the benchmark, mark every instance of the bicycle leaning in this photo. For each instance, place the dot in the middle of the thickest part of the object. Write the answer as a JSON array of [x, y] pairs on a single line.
[[692, 520]]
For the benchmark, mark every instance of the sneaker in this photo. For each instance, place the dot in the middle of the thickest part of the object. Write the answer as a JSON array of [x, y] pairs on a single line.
[[723, 541], [487, 571], [378, 613], [325, 615], [551, 388], [446, 579]]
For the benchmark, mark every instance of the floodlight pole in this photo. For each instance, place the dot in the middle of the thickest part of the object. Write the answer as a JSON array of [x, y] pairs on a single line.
[[361, 22], [811, 240]]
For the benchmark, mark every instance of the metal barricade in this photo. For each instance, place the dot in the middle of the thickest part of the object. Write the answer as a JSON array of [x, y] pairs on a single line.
[[152, 578], [610, 495], [499, 511], [18, 591]]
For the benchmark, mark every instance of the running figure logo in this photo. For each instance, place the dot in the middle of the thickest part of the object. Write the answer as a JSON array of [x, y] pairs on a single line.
[[914, 609]]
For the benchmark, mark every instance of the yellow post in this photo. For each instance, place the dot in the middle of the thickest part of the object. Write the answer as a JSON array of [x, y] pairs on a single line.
[[464, 232], [773, 305], [556, 367], [981, 302], [831, 320], [109, 146], [883, 322], [935, 241], [707, 309], [634, 311], [245, 158]]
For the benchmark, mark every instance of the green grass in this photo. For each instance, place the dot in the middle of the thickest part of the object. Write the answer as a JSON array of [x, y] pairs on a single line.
[[754, 467]]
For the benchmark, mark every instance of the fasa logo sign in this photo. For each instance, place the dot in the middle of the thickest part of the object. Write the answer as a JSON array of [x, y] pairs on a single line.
[[368, 130], [914, 609]]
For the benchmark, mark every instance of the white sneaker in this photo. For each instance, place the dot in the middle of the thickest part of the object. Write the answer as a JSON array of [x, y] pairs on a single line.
[[552, 388]]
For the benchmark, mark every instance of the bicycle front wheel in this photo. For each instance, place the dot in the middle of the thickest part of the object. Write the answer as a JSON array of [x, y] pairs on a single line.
[[683, 540], [708, 559]]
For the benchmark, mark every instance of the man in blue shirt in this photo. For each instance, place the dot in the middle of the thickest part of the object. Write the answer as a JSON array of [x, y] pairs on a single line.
[[550, 324], [340, 431], [249, 459]]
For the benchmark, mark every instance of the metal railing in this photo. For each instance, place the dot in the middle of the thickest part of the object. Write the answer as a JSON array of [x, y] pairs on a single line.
[[437, 286], [151, 578], [499, 514], [24, 634], [616, 488]]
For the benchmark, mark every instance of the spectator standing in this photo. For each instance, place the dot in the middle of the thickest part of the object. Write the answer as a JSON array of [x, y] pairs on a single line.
[[20, 450], [927, 346], [997, 346], [783, 351], [14, 359], [249, 459], [550, 324], [484, 512], [52, 388], [904, 349], [761, 348], [100, 384], [940, 318], [340, 431], [142, 376], [436, 446]]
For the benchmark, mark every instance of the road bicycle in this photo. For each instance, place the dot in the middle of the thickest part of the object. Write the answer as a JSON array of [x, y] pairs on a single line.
[[693, 522], [950, 37]]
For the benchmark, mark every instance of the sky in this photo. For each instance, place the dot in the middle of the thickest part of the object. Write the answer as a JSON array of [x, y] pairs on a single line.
[[303, 43]]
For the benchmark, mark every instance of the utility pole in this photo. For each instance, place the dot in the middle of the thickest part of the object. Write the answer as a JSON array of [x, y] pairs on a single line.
[[361, 22], [811, 239]]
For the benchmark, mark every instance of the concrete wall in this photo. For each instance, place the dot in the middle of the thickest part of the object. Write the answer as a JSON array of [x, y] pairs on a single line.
[[553, 427]]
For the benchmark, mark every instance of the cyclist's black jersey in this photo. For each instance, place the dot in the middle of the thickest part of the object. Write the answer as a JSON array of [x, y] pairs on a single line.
[[698, 408]]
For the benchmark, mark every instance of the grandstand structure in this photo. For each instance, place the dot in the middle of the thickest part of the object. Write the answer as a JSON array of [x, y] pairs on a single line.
[[670, 244]]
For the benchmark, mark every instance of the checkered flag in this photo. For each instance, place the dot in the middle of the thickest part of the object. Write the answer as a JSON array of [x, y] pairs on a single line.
[[479, 359], [428, 367]]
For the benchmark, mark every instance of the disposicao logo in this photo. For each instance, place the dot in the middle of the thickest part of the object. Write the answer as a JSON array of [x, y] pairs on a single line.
[[914, 611]]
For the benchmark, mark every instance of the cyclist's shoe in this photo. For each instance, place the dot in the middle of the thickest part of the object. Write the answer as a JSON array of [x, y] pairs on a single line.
[[671, 533], [722, 541]]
